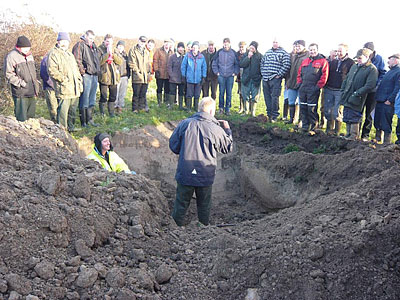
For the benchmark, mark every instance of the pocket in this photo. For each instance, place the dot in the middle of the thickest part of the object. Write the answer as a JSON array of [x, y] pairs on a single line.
[[354, 100]]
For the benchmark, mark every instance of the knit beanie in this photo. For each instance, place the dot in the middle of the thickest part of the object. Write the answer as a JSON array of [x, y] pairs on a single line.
[[121, 43], [370, 46], [181, 45], [300, 42], [63, 36], [196, 43], [99, 138], [254, 44], [23, 41]]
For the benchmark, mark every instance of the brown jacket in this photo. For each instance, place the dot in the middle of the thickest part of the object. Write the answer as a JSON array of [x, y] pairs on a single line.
[[160, 62], [109, 73], [139, 62]]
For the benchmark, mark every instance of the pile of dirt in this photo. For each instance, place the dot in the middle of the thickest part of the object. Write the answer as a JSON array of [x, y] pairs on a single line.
[[325, 221]]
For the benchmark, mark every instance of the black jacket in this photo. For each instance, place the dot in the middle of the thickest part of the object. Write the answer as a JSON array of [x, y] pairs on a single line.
[[338, 71], [209, 58], [87, 57], [197, 140], [251, 68]]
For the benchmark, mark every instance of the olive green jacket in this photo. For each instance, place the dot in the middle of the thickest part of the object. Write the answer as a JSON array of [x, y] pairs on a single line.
[[140, 64], [360, 80], [64, 72], [109, 73]]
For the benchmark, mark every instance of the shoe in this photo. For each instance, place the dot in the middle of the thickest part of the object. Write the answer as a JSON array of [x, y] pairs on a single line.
[[221, 111], [228, 113], [273, 120]]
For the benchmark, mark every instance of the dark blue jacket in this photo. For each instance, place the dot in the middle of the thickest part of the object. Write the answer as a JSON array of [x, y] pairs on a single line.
[[378, 62], [194, 68], [197, 140], [225, 63], [47, 81], [389, 86]]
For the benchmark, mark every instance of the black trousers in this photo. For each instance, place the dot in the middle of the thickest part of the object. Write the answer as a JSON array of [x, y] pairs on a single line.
[[162, 84], [184, 194], [309, 107], [369, 106], [213, 84], [108, 93]]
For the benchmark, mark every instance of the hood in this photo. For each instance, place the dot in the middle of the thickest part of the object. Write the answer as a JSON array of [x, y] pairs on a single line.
[[204, 116], [98, 138]]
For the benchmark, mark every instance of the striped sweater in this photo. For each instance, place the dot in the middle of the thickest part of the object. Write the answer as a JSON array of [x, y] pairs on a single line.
[[275, 62]]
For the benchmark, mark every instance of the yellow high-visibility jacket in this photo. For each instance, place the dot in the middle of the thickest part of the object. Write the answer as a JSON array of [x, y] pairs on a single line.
[[116, 164]]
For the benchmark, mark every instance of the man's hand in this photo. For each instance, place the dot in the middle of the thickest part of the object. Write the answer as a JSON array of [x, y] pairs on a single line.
[[250, 54], [387, 102], [224, 124]]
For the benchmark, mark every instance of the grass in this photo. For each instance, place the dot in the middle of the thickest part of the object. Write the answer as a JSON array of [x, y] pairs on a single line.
[[291, 148], [128, 120]]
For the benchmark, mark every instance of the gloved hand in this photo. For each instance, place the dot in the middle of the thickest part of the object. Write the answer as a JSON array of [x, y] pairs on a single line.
[[202, 80]]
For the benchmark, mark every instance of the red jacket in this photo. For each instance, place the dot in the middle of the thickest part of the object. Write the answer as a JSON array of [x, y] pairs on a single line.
[[313, 72]]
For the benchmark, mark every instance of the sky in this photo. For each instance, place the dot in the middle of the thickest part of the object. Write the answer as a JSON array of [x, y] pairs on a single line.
[[326, 23]]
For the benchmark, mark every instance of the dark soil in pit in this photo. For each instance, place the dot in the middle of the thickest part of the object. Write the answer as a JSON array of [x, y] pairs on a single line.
[[310, 218]]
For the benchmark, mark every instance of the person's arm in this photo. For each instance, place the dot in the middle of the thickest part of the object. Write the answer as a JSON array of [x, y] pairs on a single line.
[[204, 68], [52, 68], [245, 61], [175, 140], [396, 89], [10, 73], [214, 64], [324, 77], [223, 136], [184, 65], [118, 59], [120, 165], [285, 65], [236, 65], [132, 61], [370, 83], [77, 51]]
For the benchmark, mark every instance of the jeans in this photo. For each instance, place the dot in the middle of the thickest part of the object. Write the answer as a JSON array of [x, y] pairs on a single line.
[[121, 92], [225, 86], [184, 194], [88, 96], [24, 108], [272, 91], [293, 96], [332, 110]]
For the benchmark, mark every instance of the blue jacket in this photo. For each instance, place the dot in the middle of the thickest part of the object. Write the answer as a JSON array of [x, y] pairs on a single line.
[[378, 62], [197, 140], [389, 86], [226, 63], [397, 105], [194, 68], [44, 74]]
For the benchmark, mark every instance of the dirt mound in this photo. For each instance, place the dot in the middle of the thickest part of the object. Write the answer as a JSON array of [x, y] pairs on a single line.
[[70, 230]]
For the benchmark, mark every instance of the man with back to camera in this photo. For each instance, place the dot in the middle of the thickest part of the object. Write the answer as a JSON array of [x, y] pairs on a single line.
[[197, 140]]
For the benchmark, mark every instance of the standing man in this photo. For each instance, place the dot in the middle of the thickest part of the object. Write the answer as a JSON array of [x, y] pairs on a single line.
[[175, 76], [240, 54], [68, 86], [20, 72], [211, 80], [87, 57], [274, 66], [298, 56], [251, 77], [48, 89], [110, 62], [125, 74], [360, 81], [160, 62], [311, 77], [197, 140], [385, 97], [139, 62], [370, 102], [226, 65], [194, 72], [338, 69]]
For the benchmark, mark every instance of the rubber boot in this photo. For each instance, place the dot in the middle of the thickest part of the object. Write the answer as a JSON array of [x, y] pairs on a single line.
[[387, 138], [159, 99], [188, 103], [330, 125], [296, 118], [253, 106], [245, 107], [355, 131], [101, 108], [348, 130], [322, 121], [378, 136], [285, 109], [89, 117], [82, 117], [338, 127], [111, 109], [196, 104], [292, 112], [180, 102], [241, 108]]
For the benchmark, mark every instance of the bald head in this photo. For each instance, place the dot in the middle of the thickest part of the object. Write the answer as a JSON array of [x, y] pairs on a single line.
[[207, 105]]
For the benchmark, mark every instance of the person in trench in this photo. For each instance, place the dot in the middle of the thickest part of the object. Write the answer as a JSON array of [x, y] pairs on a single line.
[[103, 153], [197, 140]]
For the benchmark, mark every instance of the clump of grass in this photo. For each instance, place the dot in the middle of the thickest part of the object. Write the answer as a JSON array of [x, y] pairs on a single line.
[[291, 148], [320, 149]]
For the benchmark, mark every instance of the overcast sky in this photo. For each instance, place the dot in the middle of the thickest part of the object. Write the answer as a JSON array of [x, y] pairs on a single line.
[[326, 23]]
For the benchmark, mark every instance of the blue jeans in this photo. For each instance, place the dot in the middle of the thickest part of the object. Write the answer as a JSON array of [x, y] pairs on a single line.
[[293, 96], [88, 96], [225, 85], [332, 110], [272, 91]]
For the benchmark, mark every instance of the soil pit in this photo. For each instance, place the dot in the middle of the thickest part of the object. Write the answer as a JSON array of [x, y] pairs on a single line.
[[309, 218]]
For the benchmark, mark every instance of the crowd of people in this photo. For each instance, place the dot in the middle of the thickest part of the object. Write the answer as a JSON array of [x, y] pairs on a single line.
[[344, 87]]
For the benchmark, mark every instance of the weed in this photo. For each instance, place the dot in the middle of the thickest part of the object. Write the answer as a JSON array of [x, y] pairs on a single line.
[[320, 149], [291, 148]]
